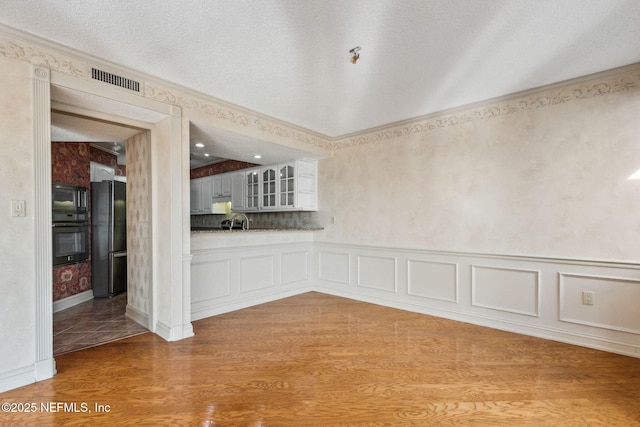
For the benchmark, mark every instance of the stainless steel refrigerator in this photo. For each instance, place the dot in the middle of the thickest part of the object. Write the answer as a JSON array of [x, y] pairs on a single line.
[[108, 238]]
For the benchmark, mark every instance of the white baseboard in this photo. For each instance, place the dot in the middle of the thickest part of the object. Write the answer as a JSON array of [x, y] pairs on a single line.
[[137, 316], [229, 306], [17, 378], [68, 302]]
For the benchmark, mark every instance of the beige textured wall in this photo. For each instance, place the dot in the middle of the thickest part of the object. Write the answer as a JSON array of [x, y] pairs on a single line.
[[17, 263], [139, 221], [549, 180]]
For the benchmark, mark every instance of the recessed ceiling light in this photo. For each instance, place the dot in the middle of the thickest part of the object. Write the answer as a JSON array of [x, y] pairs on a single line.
[[199, 144], [257, 156], [206, 154]]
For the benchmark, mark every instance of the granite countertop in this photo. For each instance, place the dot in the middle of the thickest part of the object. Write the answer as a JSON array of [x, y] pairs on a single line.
[[255, 230]]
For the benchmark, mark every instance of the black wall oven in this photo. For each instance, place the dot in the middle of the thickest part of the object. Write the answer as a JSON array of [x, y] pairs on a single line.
[[70, 243], [70, 228]]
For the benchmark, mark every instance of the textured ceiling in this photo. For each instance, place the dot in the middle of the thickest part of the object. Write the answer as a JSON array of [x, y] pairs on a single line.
[[290, 60]]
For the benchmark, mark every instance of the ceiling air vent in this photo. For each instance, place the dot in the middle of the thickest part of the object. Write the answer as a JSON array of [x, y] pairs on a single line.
[[114, 79]]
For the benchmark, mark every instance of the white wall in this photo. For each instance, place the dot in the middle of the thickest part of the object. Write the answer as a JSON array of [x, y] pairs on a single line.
[[17, 272]]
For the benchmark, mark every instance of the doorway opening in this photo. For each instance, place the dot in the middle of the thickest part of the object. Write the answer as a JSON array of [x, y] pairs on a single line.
[[90, 301], [161, 299]]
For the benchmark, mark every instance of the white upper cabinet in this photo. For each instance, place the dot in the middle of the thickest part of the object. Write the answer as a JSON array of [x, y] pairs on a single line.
[[289, 186], [222, 185], [269, 190], [195, 191], [237, 192], [252, 190], [226, 180], [306, 192], [201, 191], [284, 187]]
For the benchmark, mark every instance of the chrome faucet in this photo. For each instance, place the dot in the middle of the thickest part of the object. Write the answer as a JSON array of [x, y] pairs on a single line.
[[245, 223]]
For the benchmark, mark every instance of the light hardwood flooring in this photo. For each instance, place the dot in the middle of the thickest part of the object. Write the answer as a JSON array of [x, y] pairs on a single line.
[[320, 360]]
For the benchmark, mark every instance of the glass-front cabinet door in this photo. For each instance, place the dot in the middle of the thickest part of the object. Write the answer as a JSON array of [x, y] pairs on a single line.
[[253, 190], [287, 186], [269, 188]]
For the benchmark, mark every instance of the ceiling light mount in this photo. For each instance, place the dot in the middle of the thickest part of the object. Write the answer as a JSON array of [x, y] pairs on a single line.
[[355, 54]]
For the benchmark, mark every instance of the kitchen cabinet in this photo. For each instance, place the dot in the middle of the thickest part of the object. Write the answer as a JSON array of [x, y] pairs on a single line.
[[222, 185], [284, 187], [288, 186], [252, 190], [269, 191], [237, 192], [305, 185], [201, 191], [297, 185]]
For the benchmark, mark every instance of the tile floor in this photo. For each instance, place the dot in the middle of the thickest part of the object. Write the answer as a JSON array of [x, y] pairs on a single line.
[[92, 323]]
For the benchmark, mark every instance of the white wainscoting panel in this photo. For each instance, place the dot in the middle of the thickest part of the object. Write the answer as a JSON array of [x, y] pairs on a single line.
[[523, 294], [256, 273], [507, 289], [214, 277], [334, 267], [615, 302], [435, 280], [248, 271], [378, 272], [294, 267]]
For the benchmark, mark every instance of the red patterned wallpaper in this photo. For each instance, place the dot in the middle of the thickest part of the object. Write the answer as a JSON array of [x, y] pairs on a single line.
[[108, 159], [71, 164], [222, 167]]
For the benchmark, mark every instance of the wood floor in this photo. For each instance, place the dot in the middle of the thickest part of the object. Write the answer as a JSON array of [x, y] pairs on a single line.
[[320, 360]]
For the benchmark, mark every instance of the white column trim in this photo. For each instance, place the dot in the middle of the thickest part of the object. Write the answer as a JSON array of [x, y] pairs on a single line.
[[44, 361]]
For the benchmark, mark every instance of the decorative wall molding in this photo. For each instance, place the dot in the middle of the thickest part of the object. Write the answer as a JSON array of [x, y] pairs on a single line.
[[608, 291], [520, 294], [78, 64], [334, 267], [237, 117], [433, 279], [44, 53], [39, 58], [513, 290], [608, 82], [294, 267], [225, 279], [378, 272]]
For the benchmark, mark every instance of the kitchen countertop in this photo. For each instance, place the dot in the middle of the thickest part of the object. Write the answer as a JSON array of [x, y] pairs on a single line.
[[237, 231], [203, 239]]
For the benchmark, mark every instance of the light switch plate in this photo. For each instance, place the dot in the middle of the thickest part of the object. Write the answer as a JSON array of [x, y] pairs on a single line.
[[18, 208]]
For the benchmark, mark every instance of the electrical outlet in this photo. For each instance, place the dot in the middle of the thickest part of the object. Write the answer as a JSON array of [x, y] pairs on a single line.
[[587, 297]]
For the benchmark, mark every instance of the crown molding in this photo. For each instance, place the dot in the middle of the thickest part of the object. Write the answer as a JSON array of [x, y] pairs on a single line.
[[38, 51], [612, 81], [19, 45]]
